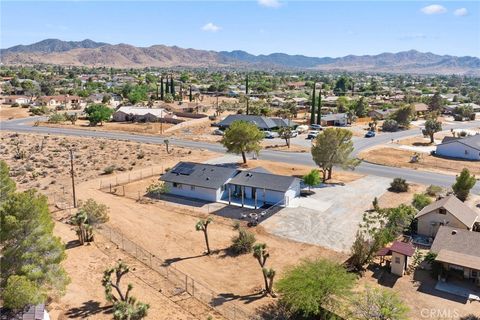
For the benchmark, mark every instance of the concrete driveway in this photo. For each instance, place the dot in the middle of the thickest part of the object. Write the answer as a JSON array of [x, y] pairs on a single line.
[[331, 216]]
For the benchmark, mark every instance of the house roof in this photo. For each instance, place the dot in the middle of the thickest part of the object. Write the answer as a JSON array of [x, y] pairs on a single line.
[[263, 180], [199, 174], [334, 116], [470, 141], [404, 248], [457, 208], [159, 112], [261, 122], [457, 246]]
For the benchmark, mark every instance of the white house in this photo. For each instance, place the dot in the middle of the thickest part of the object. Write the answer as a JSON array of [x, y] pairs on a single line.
[[467, 148], [16, 99], [256, 187], [131, 113]]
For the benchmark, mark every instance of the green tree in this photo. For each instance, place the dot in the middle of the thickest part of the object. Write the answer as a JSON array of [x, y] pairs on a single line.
[[436, 103], [378, 304], [89, 215], [432, 126], [342, 85], [315, 286], [332, 147], [243, 242], [261, 253], [7, 185], [420, 201], [202, 225], [319, 107], [242, 137], [312, 107], [125, 307], [463, 184], [342, 104], [29, 249], [361, 107], [20, 292], [404, 115], [138, 93], [312, 179], [98, 113]]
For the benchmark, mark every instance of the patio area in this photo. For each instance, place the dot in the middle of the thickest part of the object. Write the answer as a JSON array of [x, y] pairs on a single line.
[[460, 288]]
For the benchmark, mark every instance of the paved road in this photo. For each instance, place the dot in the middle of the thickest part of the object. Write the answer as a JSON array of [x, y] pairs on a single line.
[[22, 125]]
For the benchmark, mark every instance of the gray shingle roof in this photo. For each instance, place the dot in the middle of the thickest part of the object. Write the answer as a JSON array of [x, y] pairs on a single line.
[[263, 180], [471, 141], [457, 246], [201, 175], [263, 123], [457, 208]]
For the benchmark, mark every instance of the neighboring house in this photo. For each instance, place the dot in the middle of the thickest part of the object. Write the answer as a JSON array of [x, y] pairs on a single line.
[[458, 251], [37, 312], [139, 114], [334, 119], [16, 99], [420, 108], [263, 123], [58, 101], [300, 101], [462, 148], [214, 183], [448, 211], [381, 114]]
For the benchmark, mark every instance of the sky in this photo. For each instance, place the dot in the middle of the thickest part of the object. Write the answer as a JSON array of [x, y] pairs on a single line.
[[312, 28]]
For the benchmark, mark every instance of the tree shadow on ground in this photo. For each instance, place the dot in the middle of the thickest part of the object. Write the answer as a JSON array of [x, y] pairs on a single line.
[[88, 309], [72, 244], [226, 297], [170, 261]]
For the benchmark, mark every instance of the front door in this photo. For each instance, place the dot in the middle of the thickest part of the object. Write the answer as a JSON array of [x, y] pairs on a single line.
[[254, 190]]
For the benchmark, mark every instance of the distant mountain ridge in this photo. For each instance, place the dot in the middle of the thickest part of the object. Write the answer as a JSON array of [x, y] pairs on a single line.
[[91, 53]]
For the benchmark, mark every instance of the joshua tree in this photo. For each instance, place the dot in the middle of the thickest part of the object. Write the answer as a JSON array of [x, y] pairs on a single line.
[[125, 307], [261, 254], [167, 145], [202, 225]]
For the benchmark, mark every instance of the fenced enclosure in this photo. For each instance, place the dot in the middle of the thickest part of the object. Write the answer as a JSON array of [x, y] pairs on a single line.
[[179, 281]]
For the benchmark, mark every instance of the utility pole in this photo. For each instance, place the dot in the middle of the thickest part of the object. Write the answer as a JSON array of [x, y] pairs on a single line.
[[72, 174]]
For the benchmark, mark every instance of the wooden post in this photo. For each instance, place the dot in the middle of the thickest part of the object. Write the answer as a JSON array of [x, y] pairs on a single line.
[[242, 190], [264, 196], [229, 195], [255, 198]]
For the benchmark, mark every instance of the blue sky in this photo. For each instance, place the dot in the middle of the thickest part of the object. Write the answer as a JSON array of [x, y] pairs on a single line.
[[313, 28]]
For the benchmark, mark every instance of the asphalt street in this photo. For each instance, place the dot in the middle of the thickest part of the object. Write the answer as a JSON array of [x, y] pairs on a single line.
[[445, 180]]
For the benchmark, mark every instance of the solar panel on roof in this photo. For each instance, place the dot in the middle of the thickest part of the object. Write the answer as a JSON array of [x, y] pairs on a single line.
[[184, 168]]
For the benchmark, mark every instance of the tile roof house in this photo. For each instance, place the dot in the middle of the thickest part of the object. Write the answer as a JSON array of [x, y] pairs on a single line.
[[448, 211], [132, 113], [263, 123], [462, 148], [215, 183], [458, 250]]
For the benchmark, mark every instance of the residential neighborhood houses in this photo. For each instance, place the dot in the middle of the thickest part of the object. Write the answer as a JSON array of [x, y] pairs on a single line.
[[370, 175]]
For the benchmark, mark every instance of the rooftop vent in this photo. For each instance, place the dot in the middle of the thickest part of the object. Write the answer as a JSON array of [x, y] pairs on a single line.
[[454, 232]]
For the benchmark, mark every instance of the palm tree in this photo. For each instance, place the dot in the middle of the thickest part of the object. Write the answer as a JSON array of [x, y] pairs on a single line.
[[202, 225]]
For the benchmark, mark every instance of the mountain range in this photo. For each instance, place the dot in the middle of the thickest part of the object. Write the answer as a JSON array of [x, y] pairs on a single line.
[[91, 53]]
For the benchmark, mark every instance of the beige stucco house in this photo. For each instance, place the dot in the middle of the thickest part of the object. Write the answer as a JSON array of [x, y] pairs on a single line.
[[448, 211], [458, 250]]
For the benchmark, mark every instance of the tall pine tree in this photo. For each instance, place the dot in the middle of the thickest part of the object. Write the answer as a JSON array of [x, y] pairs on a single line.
[[190, 95], [246, 94], [172, 86], [319, 109], [31, 254], [162, 92], [312, 109]]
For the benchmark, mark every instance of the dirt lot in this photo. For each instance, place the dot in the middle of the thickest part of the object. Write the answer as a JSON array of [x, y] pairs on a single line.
[[8, 113], [393, 199], [46, 161], [401, 158]]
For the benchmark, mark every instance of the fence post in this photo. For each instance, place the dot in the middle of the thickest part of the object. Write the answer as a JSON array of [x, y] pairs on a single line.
[[122, 242], [186, 283], [193, 288], [110, 188]]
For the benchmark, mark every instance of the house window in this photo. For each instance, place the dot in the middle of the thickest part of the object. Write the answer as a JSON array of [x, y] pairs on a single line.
[[442, 211], [192, 188], [177, 185], [397, 260]]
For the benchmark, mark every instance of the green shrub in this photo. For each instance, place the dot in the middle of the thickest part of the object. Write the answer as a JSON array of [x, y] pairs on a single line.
[[39, 111], [15, 105], [243, 242], [420, 201], [399, 185], [390, 125], [434, 191], [56, 118], [109, 169], [157, 188]]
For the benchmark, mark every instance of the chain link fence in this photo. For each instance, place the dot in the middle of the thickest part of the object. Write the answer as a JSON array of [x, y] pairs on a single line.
[[182, 283]]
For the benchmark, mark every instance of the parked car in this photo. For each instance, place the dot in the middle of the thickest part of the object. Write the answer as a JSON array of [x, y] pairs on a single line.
[[316, 127], [218, 132], [271, 135], [302, 128], [312, 134], [294, 133], [370, 134]]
